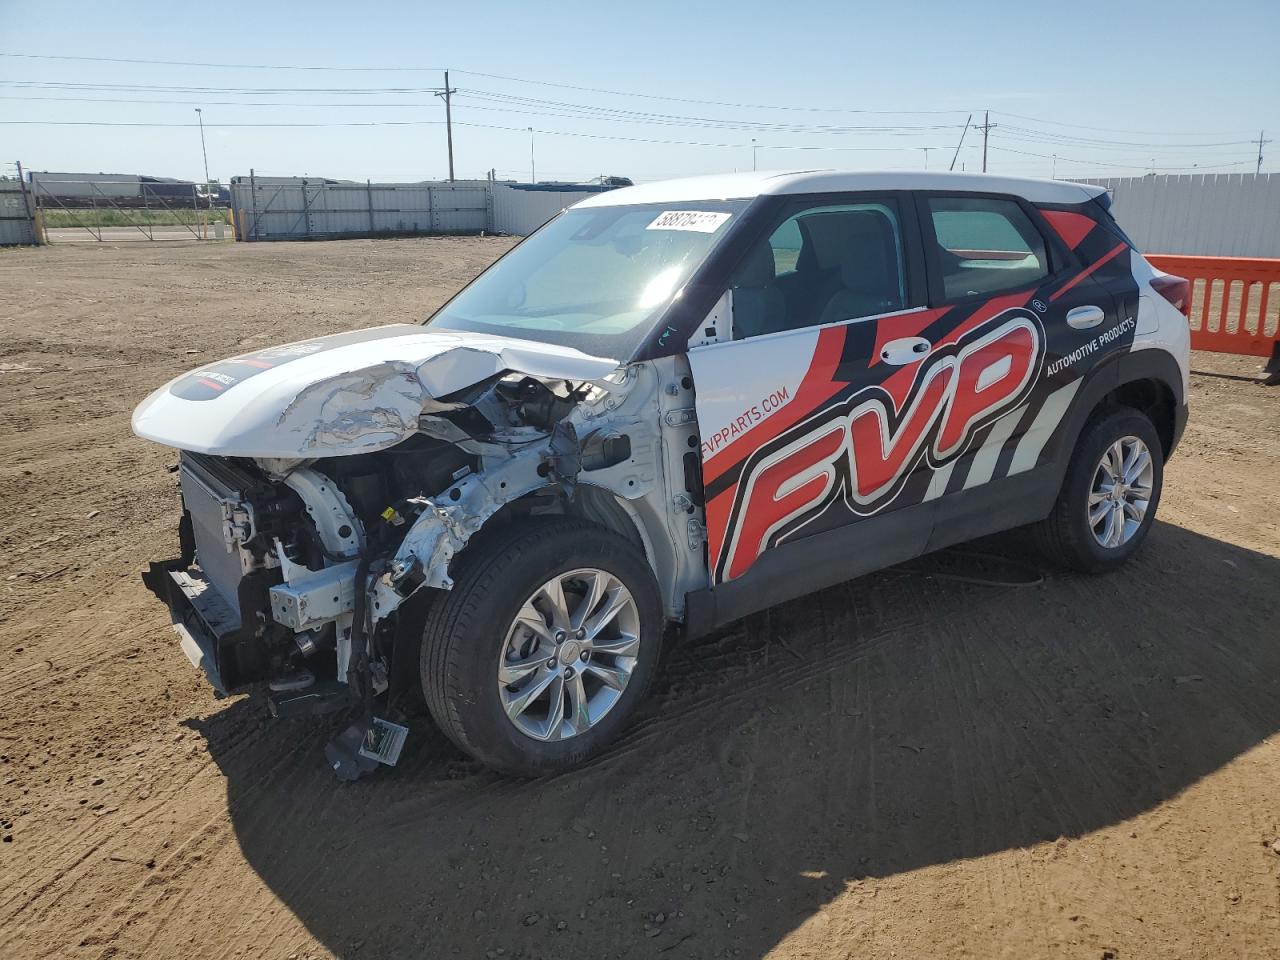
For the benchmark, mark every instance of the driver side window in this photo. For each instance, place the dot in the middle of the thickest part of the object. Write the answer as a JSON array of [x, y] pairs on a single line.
[[825, 264]]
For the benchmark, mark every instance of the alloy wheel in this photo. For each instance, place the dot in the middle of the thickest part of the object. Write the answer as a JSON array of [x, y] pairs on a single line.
[[569, 654], [1121, 492]]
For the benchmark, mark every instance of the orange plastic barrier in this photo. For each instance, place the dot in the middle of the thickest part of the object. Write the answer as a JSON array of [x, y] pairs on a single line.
[[1233, 303]]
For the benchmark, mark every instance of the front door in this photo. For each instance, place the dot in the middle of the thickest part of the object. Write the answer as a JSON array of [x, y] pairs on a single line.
[[813, 307]]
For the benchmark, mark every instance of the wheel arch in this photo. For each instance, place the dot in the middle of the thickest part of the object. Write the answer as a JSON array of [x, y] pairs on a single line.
[[585, 501], [1151, 381], [1146, 380]]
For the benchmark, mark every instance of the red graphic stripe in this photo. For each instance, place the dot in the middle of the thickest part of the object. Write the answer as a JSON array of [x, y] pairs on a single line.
[[260, 364], [898, 385], [991, 308], [1110, 255], [816, 387], [717, 513], [211, 383], [1071, 227]]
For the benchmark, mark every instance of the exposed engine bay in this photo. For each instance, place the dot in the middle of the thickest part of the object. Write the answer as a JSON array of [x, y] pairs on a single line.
[[308, 574]]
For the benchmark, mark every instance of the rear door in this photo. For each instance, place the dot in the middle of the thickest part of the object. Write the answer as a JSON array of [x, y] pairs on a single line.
[[1000, 274]]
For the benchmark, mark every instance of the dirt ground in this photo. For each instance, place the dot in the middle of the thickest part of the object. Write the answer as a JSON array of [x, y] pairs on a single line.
[[904, 766]]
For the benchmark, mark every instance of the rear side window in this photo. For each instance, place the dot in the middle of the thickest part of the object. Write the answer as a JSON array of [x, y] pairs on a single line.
[[985, 246]]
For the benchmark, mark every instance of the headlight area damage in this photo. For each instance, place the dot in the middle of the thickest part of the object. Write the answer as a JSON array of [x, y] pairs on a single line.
[[312, 537]]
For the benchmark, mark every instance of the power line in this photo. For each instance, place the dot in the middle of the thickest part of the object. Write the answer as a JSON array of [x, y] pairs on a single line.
[[234, 66], [418, 123], [577, 134], [212, 126], [174, 88], [522, 106], [517, 104], [1084, 126], [590, 110], [1050, 137], [492, 76], [570, 111], [713, 103], [223, 103], [1124, 166]]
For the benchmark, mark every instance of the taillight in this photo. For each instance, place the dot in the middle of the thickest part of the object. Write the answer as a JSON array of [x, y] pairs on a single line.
[[1176, 290]]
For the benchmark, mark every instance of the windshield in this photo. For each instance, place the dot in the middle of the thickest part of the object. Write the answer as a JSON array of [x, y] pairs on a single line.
[[594, 278]]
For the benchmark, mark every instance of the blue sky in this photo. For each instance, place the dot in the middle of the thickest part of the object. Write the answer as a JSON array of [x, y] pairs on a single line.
[[1111, 88]]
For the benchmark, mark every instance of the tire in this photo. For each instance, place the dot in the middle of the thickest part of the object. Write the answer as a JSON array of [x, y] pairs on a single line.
[[487, 622], [1066, 537]]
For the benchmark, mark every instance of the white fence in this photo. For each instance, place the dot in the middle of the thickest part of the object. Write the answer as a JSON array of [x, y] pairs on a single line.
[[1210, 215], [302, 208], [520, 211]]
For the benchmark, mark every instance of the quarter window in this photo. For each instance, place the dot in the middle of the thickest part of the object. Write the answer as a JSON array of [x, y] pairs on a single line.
[[985, 246]]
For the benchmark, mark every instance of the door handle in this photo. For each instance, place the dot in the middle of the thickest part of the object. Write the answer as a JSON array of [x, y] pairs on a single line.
[[905, 350], [1082, 318]]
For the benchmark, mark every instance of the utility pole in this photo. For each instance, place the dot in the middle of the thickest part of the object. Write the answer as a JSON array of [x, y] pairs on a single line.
[[956, 155], [533, 167], [754, 148], [203, 150], [1261, 134], [447, 93], [987, 126], [926, 156]]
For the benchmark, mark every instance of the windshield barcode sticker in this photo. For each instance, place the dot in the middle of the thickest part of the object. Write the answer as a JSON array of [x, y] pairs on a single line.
[[699, 221]]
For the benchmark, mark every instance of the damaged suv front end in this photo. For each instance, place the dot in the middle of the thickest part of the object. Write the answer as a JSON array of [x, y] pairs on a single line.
[[330, 487]]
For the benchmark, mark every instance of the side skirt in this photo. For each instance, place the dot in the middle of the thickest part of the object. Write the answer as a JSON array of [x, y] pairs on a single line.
[[813, 563]]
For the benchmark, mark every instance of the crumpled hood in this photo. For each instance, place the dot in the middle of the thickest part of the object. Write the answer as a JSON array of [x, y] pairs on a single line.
[[343, 394]]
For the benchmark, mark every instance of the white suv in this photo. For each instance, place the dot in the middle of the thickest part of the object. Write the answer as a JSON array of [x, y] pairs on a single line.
[[676, 403]]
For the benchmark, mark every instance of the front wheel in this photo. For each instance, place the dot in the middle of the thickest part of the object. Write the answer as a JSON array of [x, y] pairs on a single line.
[[544, 646], [1109, 495]]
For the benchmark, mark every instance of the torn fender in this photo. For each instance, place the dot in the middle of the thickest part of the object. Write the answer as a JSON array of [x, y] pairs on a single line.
[[350, 393], [445, 526]]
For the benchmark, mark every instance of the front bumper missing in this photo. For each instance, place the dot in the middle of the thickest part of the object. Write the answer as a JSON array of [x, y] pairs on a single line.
[[210, 633], [202, 619], [314, 598]]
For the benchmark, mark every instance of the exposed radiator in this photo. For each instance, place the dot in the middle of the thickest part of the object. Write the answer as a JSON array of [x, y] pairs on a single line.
[[210, 498]]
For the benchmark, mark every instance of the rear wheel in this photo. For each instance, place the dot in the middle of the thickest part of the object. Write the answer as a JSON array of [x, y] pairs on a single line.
[[545, 645], [1109, 495]]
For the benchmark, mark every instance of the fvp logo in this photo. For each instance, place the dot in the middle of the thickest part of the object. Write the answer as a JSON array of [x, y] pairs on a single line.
[[862, 449]]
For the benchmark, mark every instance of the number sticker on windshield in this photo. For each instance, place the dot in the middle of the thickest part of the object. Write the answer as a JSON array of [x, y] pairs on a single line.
[[699, 221]]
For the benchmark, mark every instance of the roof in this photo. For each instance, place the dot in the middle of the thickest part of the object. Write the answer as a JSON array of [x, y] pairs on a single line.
[[740, 186]]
